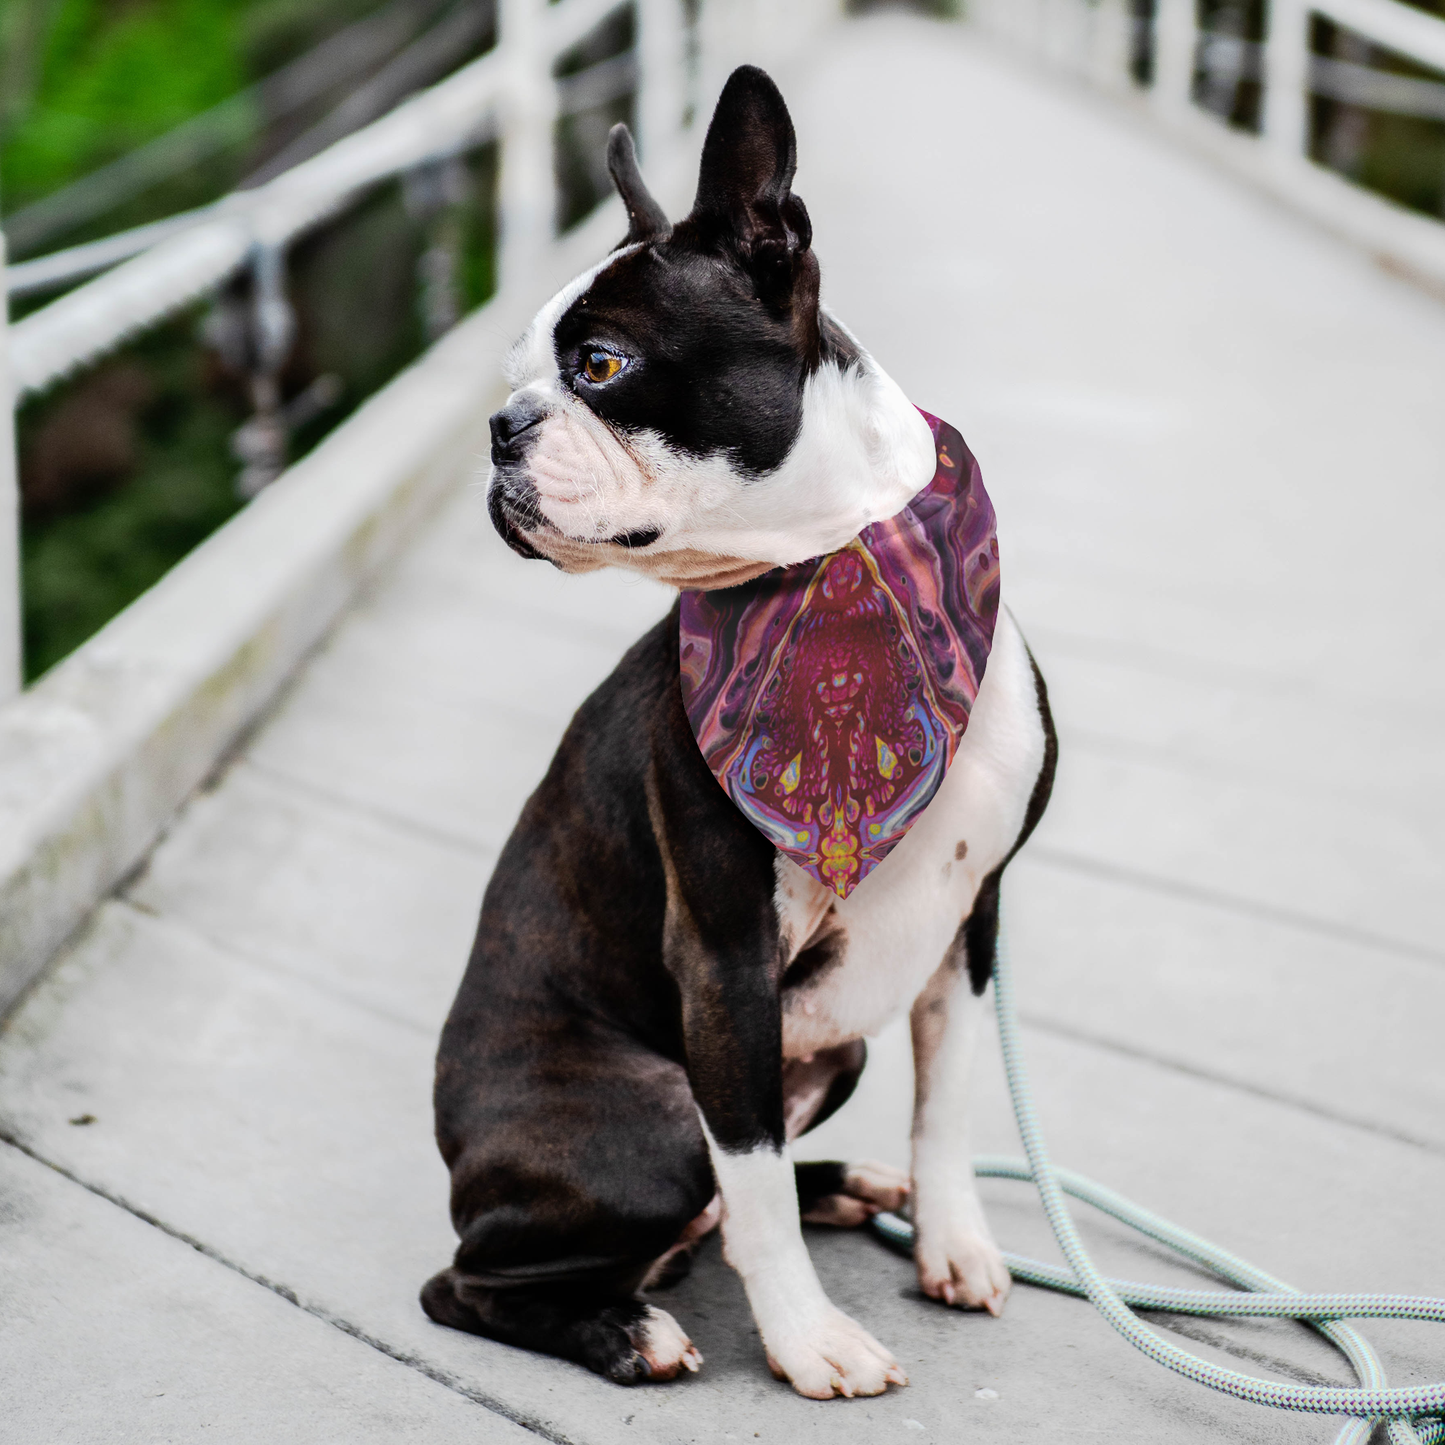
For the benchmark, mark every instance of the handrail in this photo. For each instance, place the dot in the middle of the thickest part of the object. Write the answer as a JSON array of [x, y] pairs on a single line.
[[95, 318], [305, 79], [1412, 33], [511, 93], [49, 272], [98, 316], [1098, 40], [57, 269]]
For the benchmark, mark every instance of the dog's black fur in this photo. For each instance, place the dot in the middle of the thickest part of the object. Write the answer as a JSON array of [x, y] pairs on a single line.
[[628, 970]]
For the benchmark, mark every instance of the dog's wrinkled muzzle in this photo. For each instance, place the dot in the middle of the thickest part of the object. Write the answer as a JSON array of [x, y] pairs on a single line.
[[512, 501], [512, 506], [514, 429]]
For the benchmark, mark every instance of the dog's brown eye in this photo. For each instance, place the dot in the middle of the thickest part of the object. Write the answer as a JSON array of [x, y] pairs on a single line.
[[601, 366]]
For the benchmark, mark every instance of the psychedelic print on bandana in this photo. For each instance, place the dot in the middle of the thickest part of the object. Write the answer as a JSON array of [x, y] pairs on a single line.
[[829, 698]]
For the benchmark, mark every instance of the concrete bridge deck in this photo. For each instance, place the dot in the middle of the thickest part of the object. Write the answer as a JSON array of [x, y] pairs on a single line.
[[1217, 447]]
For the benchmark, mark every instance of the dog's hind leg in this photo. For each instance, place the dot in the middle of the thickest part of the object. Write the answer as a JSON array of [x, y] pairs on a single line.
[[831, 1192], [568, 1183], [847, 1195], [610, 1331], [958, 1260]]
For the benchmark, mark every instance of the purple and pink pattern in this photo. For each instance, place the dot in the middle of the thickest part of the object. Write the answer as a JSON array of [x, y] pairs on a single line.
[[829, 698]]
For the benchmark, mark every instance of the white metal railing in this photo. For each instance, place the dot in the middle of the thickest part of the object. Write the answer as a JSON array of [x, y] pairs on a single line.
[[1410, 33], [459, 112], [509, 94], [1099, 40], [97, 757]]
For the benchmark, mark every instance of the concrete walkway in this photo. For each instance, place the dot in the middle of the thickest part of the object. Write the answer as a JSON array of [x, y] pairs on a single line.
[[1216, 443]]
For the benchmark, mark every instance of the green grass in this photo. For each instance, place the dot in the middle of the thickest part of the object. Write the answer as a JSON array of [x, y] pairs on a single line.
[[101, 78]]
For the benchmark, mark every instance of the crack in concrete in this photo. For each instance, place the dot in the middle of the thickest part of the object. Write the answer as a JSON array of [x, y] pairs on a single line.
[[279, 968], [403, 1357], [1242, 1086], [1233, 903], [387, 817]]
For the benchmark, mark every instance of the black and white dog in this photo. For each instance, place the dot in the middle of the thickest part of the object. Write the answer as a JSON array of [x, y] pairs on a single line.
[[658, 1000]]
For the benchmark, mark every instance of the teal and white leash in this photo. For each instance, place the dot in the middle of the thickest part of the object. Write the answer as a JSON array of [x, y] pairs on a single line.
[[1259, 1294]]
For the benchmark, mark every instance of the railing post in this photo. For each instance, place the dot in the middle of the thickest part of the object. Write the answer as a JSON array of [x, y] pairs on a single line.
[[9, 511], [1068, 39], [1286, 80], [662, 65], [526, 191], [1109, 44], [1176, 34]]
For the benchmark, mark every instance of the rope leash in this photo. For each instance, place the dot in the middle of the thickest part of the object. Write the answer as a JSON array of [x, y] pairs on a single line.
[[1406, 1411]]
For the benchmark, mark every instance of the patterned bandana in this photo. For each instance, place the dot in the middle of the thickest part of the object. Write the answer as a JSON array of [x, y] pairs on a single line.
[[829, 698]]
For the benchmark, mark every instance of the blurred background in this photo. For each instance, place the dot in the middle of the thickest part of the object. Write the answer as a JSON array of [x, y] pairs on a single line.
[[1173, 267], [122, 113], [116, 115]]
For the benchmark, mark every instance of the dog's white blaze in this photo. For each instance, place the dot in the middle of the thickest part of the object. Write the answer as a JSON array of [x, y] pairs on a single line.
[[532, 357], [900, 923]]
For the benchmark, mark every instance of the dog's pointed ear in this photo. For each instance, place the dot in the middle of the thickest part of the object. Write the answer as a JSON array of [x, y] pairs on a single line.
[[645, 218], [744, 193]]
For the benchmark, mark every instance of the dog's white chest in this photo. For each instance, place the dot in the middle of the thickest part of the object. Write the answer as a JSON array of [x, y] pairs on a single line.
[[856, 963]]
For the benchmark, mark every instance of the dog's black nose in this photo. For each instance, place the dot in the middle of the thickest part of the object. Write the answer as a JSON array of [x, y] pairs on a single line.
[[512, 428]]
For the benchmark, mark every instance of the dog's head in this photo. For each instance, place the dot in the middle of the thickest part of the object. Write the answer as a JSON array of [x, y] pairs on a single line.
[[686, 408]]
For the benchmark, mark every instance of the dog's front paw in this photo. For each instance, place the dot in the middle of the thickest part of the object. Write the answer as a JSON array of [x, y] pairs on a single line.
[[867, 1187], [834, 1355], [660, 1350], [962, 1266]]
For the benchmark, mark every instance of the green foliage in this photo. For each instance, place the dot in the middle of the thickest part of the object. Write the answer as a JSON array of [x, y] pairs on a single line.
[[84, 81], [82, 565], [139, 473], [128, 466], [1404, 158], [106, 77]]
